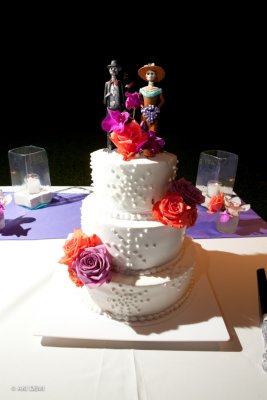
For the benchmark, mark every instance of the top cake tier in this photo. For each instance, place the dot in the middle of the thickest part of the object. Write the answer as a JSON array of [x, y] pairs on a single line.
[[131, 187]]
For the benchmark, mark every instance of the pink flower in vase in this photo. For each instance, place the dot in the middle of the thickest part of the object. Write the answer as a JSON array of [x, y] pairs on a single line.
[[225, 217], [229, 207]]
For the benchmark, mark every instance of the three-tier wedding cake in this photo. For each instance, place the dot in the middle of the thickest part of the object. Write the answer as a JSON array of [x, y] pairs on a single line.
[[131, 255]]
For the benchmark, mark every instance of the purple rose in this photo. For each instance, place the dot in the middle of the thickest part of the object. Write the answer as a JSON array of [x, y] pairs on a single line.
[[190, 193], [93, 266]]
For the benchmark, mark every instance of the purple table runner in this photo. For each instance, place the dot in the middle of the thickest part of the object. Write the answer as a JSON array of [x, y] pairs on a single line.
[[63, 215], [250, 225], [55, 221]]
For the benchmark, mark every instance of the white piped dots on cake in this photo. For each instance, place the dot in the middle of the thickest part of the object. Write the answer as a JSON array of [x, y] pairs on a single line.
[[126, 301], [136, 303], [115, 181]]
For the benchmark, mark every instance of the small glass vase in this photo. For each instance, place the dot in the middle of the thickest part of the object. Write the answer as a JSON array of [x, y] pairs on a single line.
[[2, 220], [227, 226]]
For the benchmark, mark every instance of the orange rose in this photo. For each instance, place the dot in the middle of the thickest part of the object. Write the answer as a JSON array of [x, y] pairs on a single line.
[[76, 244], [216, 203], [130, 140], [172, 211]]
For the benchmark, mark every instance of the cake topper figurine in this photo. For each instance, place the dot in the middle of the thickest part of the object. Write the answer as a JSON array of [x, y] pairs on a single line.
[[113, 92], [152, 95]]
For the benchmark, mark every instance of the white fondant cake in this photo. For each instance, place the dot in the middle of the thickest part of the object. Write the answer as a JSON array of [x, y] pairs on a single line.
[[152, 264]]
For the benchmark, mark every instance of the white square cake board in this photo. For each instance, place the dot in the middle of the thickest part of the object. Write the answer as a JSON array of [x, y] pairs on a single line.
[[63, 314]]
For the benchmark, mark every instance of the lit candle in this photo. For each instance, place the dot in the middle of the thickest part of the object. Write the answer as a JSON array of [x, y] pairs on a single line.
[[33, 183], [213, 188]]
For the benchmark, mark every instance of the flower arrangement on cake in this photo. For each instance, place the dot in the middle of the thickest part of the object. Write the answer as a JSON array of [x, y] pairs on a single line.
[[128, 136], [88, 260]]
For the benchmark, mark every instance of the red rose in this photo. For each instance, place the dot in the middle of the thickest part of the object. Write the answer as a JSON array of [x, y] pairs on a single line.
[[173, 211]]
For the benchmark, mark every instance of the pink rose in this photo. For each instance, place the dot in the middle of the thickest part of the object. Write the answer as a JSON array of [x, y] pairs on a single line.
[[93, 266]]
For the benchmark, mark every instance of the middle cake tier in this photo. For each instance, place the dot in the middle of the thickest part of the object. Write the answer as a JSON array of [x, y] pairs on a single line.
[[133, 245]]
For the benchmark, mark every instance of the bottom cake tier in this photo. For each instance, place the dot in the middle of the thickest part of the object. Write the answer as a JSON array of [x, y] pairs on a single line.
[[144, 296]]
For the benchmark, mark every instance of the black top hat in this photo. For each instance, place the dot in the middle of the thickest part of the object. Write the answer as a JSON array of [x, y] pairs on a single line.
[[114, 63]]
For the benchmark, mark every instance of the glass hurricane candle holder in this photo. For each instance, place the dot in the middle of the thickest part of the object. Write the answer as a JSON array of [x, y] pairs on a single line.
[[30, 176], [217, 165]]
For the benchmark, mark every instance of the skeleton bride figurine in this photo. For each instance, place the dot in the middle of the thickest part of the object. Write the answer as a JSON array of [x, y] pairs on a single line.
[[151, 95]]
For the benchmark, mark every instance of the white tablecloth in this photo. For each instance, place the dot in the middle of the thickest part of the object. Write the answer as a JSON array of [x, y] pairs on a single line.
[[47, 369]]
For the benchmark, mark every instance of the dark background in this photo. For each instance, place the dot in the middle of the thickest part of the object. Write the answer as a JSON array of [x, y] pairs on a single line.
[[53, 98]]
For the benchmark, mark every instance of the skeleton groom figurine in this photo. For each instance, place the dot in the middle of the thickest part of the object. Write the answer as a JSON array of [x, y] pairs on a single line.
[[113, 93]]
